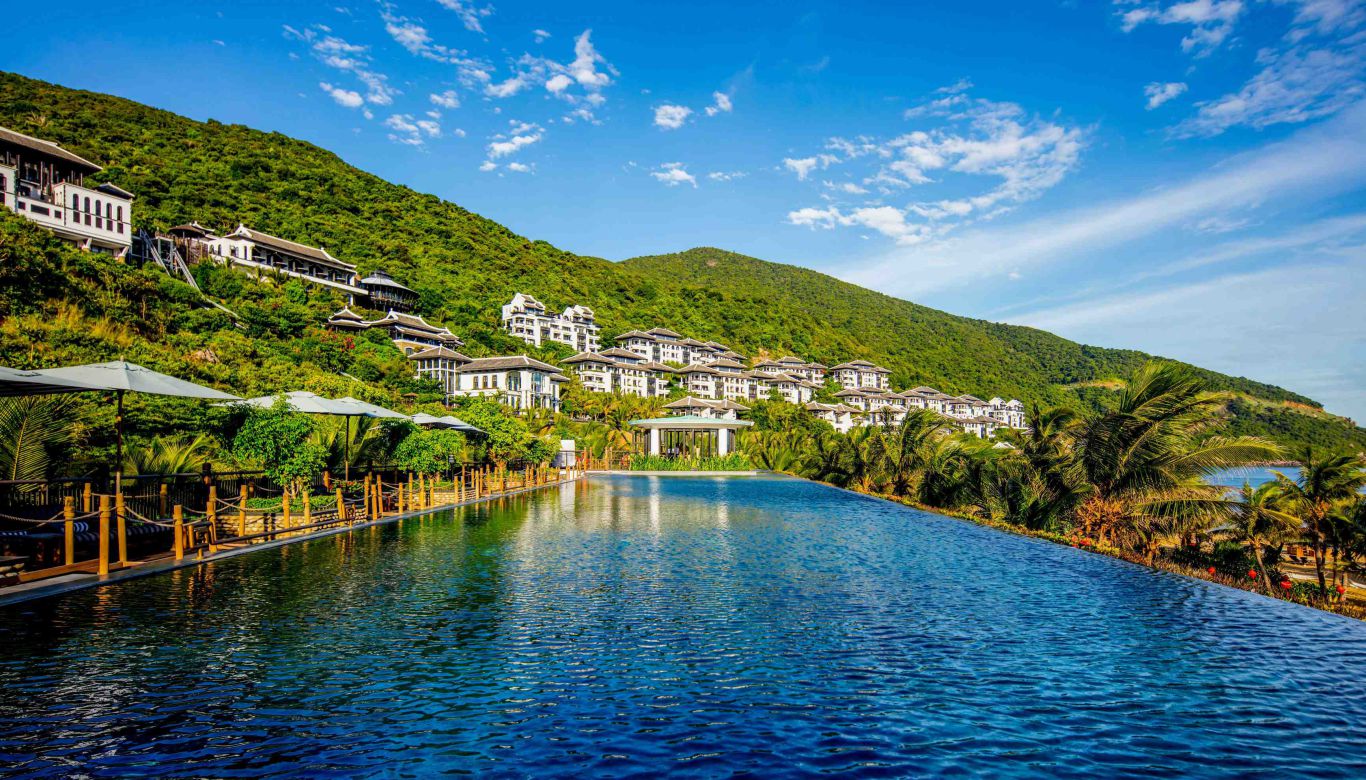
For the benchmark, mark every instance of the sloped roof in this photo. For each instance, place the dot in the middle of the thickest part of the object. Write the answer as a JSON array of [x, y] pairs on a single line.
[[618, 352], [48, 148], [292, 247], [665, 332], [440, 352], [635, 334], [508, 361], [587, 357], [692, 402], [695, 368], [381, 279], [345, 314], [792, 359]]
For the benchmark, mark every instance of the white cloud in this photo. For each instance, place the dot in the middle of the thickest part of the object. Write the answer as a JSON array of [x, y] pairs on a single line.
[[1293, 86], [559, 83], [470, 14], [488, 165], [721, 103], [1317, 162], [674, 174], [726, 175], [520, 135], [803, 166], [339, 54], [447, 99], [1210, 21], [671, 117], [1159, 93], [584, 68], [847, 187], [410, 131], [343, 97], [519, 167], [888, 221], [507, 87], [540, 35]]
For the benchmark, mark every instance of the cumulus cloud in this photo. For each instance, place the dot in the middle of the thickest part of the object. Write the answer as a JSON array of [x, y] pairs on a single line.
[[671, 117], [517, 167], [579, 82], [673, 174], [721, 103], [447, 99], [343, 97], [519, 136], [1159, 93], [726, 175], [410, 131], [540, 35], [887, 220], [803, 166]]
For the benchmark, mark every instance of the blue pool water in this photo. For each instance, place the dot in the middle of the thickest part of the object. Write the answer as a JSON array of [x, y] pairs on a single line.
[[629, 626]]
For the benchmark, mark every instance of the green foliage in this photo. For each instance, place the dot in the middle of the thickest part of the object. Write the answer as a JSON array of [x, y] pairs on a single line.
[[506, 438], [280, 441], [31, 429], [430, 451], [734, 461]]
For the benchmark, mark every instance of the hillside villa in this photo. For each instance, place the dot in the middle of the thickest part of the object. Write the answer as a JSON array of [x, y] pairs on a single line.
[[45, 184], [527, 319], [516, 381]]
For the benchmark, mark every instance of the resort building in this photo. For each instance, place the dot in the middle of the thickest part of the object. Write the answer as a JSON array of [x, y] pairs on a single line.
[[409, 332], [843, 418], [705, 407], [696, 427], [527, 319], [385, 293], [516, 381], [620, 371], [662, 345], [253, 249], [861, 374], [1008, 413], [45, 184]]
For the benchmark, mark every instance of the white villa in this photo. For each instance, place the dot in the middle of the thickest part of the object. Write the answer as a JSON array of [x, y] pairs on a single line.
[[662, 345], [517, 381], [843, 418], [527, 319], [620, 371], [706, 407], [409, 332], [861, 374], [252, 249], [45, 184]]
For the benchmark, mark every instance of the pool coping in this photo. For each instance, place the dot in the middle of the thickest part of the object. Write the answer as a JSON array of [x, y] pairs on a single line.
[[629, 473], [49, 589]]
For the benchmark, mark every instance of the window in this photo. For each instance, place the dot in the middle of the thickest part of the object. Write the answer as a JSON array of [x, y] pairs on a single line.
[[87, 211], [99, 220]]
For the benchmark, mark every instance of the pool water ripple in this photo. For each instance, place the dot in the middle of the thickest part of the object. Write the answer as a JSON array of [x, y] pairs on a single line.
[[702, 626]]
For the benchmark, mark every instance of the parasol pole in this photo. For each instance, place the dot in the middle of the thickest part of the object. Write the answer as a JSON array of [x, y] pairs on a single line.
[[118, 443], [346, 450]]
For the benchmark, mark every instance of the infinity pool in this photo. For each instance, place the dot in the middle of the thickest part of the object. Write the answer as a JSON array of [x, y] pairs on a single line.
[[634, 625]]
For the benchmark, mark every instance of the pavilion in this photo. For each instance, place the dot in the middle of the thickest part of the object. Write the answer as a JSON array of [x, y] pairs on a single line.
[[689, 435]]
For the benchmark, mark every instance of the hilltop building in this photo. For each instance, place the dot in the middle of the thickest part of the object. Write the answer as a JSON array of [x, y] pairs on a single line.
[[254, 249], [517, 381], [662, 345], [861, 374], [385, 293], [527, 319], [45, 184], [409, 332]]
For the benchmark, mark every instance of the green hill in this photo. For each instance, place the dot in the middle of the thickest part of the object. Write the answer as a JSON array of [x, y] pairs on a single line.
[[465, 267]]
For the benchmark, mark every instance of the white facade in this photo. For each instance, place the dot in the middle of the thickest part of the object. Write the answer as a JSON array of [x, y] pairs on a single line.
[[45, 184], [620, 371], [516, 381], [860, 374], [527, 319], [252, 249]]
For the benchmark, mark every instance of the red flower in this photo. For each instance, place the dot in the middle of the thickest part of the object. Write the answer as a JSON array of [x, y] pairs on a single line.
[[1252, 574], [1341, 590], [1211, 570], [1286, 584]]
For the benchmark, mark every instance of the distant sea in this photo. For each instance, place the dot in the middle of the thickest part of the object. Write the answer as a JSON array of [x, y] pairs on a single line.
[[1252, 475]]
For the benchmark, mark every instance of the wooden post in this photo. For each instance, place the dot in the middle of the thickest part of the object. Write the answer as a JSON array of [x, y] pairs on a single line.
[[379, 496], [69, 514], [341, 508], [308, 508], [104, 536], [122, 516], [284, 511], [178, 515], [164, 504], [242, 510], [212, 512], [87, 499], [327, 479]]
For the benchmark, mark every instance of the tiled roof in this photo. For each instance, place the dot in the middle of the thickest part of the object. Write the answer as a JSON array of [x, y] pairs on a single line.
[[618, 352], [440, 352], [587, 357], [635, 334], [292, 247], [665, 332], [508, 361], [48, 148]]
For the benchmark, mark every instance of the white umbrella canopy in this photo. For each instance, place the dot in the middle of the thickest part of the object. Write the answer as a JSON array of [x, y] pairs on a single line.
[[422, 418], [15, 382], [458, 424], [302, 401], [366, 409], [120, 376]]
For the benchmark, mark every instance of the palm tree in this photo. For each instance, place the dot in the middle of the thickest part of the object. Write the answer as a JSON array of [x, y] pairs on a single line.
[[30, 429], [168, 455], [1349, 535], [1326, 480], [1144, 462], [1259, 521], [901, 452]]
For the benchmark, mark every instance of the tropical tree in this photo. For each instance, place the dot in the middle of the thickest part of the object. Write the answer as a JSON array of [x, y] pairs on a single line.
[[902, 453], [1144, 462], [31, 428], [430, 451], [168, 455], [280, 440], [1258, 521], [1326, 481]]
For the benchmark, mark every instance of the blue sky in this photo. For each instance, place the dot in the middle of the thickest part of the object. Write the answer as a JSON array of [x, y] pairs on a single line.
[[1185, 178]]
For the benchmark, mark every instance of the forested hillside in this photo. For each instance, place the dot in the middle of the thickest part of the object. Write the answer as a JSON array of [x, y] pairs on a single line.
[[465, 267]]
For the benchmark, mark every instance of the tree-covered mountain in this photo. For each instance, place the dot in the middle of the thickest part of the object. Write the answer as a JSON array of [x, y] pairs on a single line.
[[465, 267]]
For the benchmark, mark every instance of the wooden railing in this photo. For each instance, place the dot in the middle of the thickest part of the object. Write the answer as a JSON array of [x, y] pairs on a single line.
[[100, 532]]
